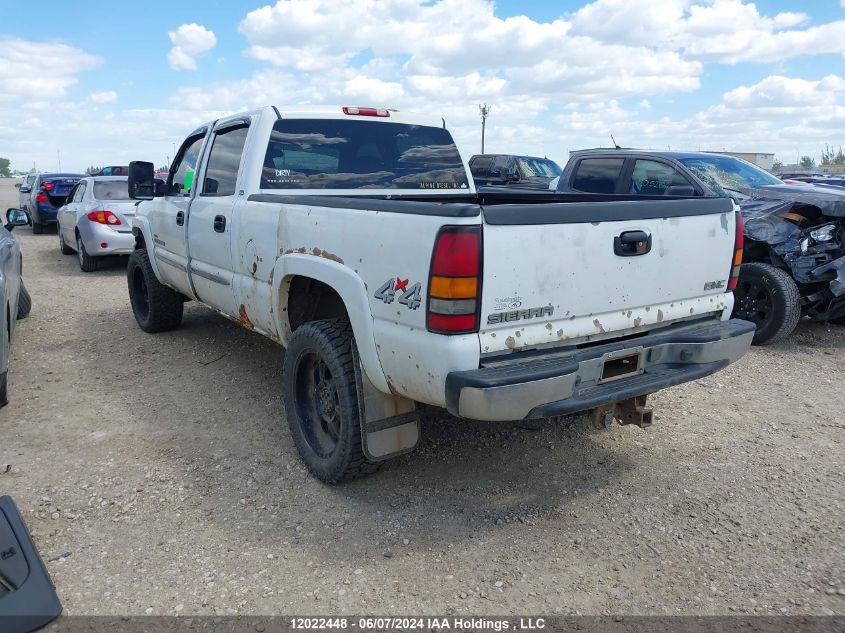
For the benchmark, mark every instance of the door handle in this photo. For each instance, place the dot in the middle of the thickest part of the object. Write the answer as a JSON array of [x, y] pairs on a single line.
[[180, 218], [220, 223], [632, 243]]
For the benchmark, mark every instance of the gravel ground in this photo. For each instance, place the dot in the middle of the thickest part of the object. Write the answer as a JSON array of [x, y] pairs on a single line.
[[157, 476]]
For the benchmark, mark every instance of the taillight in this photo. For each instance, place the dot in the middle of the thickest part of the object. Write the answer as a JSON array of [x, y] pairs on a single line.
[[41, 197], [454, 284], [354, 111], [739, 242], [47, 186], [104, 217]]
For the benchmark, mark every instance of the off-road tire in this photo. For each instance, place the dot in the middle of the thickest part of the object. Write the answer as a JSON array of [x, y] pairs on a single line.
[[37, 228], [24, 302], [87, 263], [64, 248], [329, 342], [156, 307], [777, 296]]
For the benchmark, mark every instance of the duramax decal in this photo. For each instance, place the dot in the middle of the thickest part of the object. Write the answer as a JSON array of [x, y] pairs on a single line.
[[516, 315]]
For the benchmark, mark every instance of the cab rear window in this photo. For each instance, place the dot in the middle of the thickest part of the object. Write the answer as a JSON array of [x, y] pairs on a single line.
[[342, 154]]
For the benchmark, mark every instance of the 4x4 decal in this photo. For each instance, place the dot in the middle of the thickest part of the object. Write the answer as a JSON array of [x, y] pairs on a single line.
[[410, 295]]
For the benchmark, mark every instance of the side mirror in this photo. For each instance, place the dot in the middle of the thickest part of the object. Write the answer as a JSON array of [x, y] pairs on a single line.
[[18, 185], [16, 217], [141, 180]]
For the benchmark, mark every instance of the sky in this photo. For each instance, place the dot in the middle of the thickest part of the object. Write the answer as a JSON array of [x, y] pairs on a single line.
[[103, 83]]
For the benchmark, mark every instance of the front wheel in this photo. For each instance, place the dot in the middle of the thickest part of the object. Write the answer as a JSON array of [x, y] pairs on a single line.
[[157, 308], [64, 248], [321, 401], [24, 302], [768, 297]]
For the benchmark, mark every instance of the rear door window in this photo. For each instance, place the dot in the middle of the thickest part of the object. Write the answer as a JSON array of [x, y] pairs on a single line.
[[653, 178], [221, 173], [344, 154], [80, 192], [598, 175]]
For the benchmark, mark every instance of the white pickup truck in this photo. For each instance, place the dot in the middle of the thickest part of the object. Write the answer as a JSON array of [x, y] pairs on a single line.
[[355, 238]]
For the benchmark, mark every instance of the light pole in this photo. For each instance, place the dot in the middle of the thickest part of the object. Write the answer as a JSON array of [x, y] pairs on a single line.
[[485, 110]]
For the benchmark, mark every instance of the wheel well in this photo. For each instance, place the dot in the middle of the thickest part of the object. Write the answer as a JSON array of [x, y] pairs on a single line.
[[139, 240], [312, 300]]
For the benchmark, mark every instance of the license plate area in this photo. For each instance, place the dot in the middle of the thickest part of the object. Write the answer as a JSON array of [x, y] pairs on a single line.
[[621, 364]]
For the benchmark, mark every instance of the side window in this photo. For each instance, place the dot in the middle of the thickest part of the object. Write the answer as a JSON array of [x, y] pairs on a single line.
[[481, 166], [502, 164], [80, 191], [183, 168], [598, 175], [652, 178], [221, 173]]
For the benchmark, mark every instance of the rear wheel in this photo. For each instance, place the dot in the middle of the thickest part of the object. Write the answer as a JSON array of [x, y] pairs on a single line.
[[157, 308], [321, 401], [24, 302], [37, 228], [768, 297], [87, 263]]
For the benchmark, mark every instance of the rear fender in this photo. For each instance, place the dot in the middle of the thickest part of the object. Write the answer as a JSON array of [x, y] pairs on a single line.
[[352, 291]]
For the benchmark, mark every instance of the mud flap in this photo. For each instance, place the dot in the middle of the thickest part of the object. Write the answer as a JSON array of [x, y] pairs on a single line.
[[389, 424], [28, 599]]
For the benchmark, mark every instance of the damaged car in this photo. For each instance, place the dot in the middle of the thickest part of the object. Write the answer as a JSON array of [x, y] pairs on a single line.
[[794, 260]]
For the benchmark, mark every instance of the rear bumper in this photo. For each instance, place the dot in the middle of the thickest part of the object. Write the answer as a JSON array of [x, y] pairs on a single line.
[[567, 382], [94, 235], [46, 214]]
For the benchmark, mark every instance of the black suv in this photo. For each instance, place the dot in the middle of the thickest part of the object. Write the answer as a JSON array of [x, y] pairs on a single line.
[[794, 259]]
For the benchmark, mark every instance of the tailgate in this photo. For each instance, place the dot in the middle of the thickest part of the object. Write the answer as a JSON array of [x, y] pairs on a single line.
[[580, 271]]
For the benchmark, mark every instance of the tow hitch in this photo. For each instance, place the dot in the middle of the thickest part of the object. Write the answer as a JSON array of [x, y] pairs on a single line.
[[630, 411]]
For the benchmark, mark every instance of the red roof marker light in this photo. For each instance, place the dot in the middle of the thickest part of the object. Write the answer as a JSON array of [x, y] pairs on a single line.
[[356, 111]]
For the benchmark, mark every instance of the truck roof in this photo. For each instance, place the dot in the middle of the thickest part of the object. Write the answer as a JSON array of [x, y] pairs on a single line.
[[337, 112], [653, 152]]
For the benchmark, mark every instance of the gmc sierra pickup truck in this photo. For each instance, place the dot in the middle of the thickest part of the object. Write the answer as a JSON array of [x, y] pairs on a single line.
[[355, 238]]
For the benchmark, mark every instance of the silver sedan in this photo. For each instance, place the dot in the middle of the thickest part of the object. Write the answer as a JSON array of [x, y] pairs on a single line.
[[16, 301], [96, 220]]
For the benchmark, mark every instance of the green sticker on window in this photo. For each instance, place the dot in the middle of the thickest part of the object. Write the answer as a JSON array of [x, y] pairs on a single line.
[[189, 180]]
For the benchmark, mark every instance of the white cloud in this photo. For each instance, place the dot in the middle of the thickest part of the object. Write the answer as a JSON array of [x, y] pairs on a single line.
[[189, 42], [106, 96], [461, 45], [723, 31], [39, 69]]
